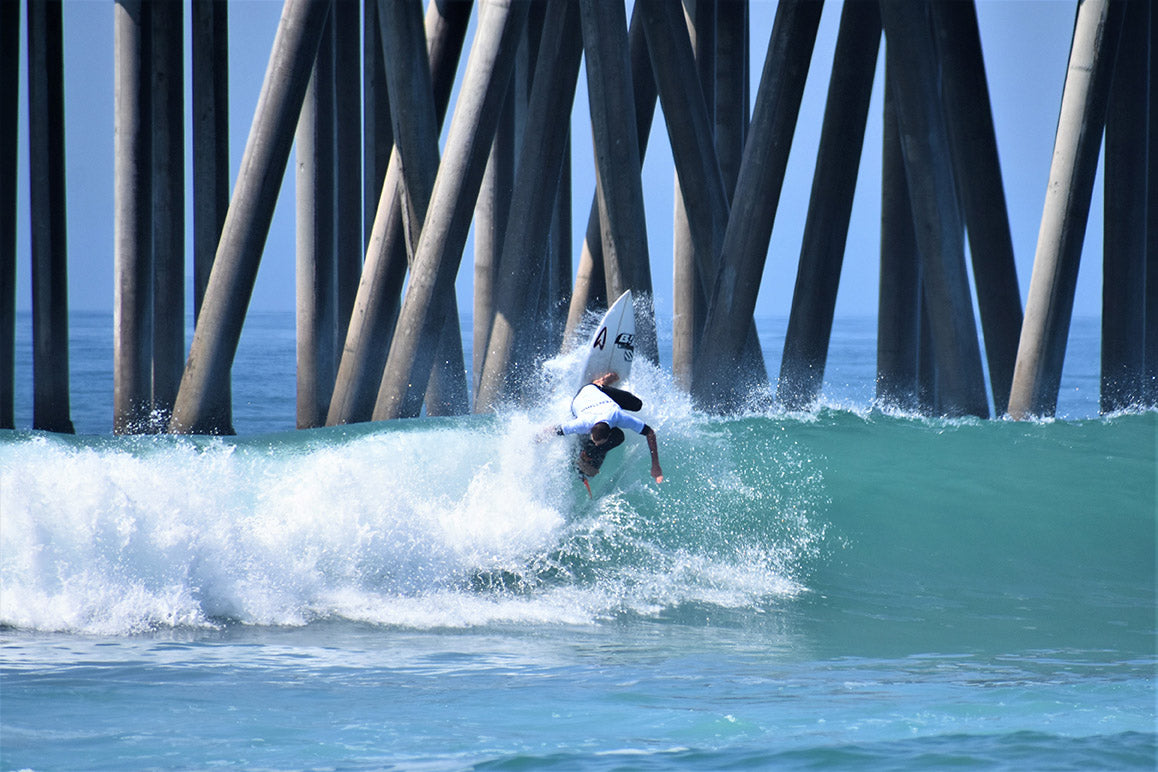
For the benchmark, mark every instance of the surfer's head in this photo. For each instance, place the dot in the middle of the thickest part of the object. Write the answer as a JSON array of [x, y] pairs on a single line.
[[600, 432]]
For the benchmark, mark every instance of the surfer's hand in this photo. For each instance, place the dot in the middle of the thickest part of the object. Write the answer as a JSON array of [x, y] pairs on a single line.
[[657, 473], [606, 379]]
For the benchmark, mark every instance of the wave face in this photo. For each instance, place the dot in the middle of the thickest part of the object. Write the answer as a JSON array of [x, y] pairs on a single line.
[[846, 532]]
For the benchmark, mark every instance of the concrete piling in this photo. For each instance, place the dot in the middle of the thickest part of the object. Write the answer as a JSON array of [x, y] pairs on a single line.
[[9, 119], [1124, 274], [439, 252], [617, 161], [368, 157], [899, 310], [936, 216], [316, 254], [218, 331], [1049, 305], [979, 186], [168, 148], [733, 296], [527, 234], [384, 269], [133, 292], [830, 206]]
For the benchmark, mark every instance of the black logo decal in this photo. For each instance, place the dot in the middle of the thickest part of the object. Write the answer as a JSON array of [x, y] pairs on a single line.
[[601, 339], [626, 342]]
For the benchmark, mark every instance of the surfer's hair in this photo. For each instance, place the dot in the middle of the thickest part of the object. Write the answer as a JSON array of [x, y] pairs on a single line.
[[600, 432]]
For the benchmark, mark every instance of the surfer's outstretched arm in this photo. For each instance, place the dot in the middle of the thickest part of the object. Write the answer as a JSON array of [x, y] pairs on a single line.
[[656, 472]]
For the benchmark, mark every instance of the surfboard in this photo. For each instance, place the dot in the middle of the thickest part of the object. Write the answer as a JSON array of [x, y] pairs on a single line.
[[610, 350], [612, 346]]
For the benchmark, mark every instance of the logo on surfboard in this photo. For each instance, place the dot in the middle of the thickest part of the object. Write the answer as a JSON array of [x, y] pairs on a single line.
[[626, 342]]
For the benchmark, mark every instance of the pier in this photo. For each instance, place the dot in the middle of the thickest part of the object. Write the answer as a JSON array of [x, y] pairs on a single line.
[[357, 94]]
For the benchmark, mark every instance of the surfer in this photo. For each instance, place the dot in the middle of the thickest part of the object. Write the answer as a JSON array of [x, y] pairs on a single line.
[[598, 411]]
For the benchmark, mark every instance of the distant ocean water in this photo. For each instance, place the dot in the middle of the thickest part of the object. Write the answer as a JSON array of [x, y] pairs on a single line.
[[843, 588]]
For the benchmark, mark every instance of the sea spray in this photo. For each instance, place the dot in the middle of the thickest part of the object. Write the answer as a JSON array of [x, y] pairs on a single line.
[[448, 522]]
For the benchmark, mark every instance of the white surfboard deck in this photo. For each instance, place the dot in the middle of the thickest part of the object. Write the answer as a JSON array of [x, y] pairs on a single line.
[[612, 347]]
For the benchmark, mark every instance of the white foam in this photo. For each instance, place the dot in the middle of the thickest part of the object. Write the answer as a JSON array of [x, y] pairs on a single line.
[[415, 524]]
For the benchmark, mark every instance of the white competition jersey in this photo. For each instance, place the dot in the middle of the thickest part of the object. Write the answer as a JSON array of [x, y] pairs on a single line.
[[591, 405]]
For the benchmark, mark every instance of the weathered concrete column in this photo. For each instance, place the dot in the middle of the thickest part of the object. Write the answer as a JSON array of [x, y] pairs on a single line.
[[830, 206], [377, 136], [247, 224], [384, 270], [978, 174], [210, 131], [316, 243], [133, 225], [689, 298], [168, 126], [1151, 374], [617, 160], [716, 385], [50, 398], [415, 125], [1049, 305], [731, 90], [899, 311], [348, 164], [693, 147], [936, 217], [9, 118], [490, 223], [521, 265], [589, 290], [436, 261], [1124, 274]]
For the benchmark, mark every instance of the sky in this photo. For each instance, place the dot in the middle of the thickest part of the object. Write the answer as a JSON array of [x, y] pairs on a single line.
[[1025, 44]]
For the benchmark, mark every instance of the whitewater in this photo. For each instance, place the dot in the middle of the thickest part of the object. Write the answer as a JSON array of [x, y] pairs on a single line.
[[843, 588]]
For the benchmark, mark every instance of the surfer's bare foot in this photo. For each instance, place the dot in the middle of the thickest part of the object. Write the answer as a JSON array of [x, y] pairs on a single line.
[[606, 379]]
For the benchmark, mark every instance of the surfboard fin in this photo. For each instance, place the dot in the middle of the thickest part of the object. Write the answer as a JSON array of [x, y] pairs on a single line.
[[586, 485]]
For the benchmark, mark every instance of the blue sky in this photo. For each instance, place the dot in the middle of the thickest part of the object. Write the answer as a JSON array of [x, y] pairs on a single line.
[[1025, 42]]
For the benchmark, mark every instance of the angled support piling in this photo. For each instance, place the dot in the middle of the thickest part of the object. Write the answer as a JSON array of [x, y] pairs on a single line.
[[377, 136], [690, 132], [439, 252], [415, 126], [899, 309], [936, 216], [731, 90], [979, 185], [617, 160], [1049, 305], [589, 290], [348, 164], [263, 164], [732, 299], [491, 212], [384, 270], [527, 234], [830, 206], [1124, 274], [9, 118]]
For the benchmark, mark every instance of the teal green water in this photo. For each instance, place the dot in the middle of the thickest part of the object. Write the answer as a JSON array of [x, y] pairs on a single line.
[[835, 589]]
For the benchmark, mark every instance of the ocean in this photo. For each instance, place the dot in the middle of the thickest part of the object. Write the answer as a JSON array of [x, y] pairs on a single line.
[[846, 588]]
